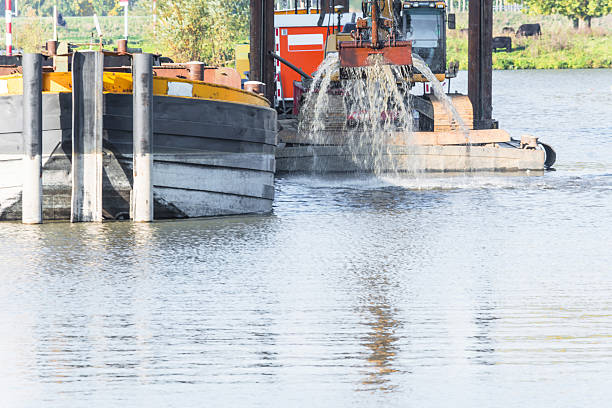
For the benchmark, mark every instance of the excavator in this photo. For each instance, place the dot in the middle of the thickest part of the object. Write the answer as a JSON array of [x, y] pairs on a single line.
[[410, 36], [394, 30]]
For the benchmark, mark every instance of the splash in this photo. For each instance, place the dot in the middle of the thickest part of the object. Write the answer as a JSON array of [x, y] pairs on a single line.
[[379, 115], [367, 112], [365, 117]]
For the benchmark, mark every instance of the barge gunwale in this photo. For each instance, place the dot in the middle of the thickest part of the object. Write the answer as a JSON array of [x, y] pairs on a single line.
[[121, 83], [224, 164]]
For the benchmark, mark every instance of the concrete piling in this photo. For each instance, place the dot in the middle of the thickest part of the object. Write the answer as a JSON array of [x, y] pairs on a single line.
[[142, 191], [87, 115], [31, 198]]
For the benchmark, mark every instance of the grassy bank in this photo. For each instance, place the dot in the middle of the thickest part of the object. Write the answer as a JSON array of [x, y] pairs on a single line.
[[559, 47]]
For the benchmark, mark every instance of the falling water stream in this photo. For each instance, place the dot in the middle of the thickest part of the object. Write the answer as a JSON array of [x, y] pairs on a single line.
[[447, 103], [366, 112], [378, 113]]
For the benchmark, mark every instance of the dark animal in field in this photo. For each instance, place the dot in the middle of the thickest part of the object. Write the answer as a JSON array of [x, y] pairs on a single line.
[[501, 43], [528, 30], [507, 30], [464, 31], [60, 20]]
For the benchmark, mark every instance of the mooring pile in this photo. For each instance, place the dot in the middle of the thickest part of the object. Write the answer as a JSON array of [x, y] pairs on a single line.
[[87, 137]]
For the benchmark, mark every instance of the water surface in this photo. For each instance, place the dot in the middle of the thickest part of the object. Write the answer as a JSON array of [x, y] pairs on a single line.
[[431, 291]]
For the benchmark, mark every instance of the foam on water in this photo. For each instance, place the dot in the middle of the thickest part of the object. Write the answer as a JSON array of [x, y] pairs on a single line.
[[422, 182]]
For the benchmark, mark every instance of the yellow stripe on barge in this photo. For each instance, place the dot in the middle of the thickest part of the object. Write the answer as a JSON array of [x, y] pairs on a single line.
[[121, 83]]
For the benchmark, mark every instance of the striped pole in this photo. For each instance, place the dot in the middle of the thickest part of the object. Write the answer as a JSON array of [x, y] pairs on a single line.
[[9, 27]]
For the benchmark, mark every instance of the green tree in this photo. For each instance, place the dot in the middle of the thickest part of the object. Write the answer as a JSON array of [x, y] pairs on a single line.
[[30, 32], [204, 30], [576, 10]]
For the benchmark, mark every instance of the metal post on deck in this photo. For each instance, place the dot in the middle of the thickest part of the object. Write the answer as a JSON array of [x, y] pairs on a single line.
[[31, 198], [125, 19], [142, 130], [480, 62], [54, 23], [87, 115]]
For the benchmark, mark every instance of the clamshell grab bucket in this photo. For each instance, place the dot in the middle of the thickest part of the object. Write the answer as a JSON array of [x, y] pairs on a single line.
[[356, 54]]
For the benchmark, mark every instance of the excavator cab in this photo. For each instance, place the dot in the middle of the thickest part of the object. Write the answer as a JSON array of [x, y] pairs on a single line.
[[423, 24]]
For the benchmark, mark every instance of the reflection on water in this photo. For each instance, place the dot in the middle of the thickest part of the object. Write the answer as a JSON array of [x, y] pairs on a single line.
[[483, 348], [380, 341], [471, 290]]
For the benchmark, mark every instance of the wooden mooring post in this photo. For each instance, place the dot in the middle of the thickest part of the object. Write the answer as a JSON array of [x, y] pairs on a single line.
[[142, 131], [262, 41], [480, 61], [32, 194], [87, 115]]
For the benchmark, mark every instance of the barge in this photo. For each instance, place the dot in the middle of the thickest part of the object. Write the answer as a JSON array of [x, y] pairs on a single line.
[[213, 147], [329, 95]]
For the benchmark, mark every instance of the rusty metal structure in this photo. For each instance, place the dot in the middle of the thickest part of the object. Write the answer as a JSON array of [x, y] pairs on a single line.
[[57, 57], [375, 35]]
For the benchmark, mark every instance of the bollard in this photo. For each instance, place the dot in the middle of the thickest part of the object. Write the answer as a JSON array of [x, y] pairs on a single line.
[[142, 130], [195, 71], [255, 87], [52, 48], [122, 46], [87, 115], [31, 198]]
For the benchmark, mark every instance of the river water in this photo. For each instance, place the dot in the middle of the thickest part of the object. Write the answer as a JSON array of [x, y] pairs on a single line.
[[432, 291]]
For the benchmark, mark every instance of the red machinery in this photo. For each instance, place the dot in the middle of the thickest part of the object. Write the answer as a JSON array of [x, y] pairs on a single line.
[[301, 35], [367, 39], [301, 41]]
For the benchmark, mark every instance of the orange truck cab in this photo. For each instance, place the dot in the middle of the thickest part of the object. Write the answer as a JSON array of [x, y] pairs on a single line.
[[300, 36]]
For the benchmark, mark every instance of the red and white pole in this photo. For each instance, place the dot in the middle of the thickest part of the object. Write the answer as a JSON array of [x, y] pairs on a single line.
[[9, 27]]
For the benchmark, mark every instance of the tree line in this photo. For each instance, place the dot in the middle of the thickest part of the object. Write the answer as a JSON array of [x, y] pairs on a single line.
[[71, 7], [207, 30], [576, 10]]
